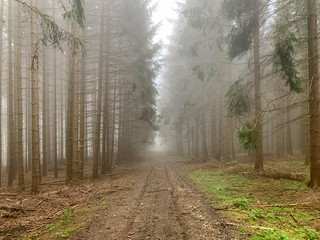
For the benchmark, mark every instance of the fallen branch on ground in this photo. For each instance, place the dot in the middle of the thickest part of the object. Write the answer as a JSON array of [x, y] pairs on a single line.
[[284, 205]]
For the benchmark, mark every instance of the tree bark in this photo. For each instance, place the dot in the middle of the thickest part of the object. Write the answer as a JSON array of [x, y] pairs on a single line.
[[82, 110], [44, 113], [289, 135], [10, 153], [55, 116], [258, 166], [314, 94], [1, 58], [18, 61], [204, 138], [35, 105], [77, 174], [96, 146]]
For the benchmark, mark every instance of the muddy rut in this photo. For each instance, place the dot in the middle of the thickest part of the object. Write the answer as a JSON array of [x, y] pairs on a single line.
[[161, 203]]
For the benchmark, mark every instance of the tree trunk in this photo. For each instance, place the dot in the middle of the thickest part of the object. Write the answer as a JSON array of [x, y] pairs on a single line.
[[258, 166], [19, 103], [82, 110], [44, 114], [289, 135], [69, 122], [77, 174], [96, 145], [1, 79], [197, 138], [233, 151], [214, 149], [314, 94], [55, 116], [35, 105], [10, 153], [110, 161], [204, 138]]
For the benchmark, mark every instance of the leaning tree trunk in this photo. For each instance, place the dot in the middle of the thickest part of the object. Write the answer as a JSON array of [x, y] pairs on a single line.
[[314, 95]]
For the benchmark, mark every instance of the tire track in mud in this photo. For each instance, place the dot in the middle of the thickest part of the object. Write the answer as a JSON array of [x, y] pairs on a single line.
[[161, 203], [138, 202], [156, 216], [175, 202], [198, 215]]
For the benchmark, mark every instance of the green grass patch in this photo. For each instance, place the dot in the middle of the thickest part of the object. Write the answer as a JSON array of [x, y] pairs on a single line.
[[70, 221], [66, 233], [245, 196], [64, 219]]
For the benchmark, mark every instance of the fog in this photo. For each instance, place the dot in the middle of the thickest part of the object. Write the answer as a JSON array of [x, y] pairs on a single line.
[[96, 84]]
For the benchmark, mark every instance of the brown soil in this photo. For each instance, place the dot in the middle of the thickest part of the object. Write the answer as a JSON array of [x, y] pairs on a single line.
[[153, 200], [161, 204]]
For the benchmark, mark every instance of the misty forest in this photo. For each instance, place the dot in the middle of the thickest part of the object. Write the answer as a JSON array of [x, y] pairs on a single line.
[[111, 130]]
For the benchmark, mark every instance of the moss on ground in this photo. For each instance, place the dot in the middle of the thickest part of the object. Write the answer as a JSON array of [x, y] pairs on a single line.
[[261, 206]]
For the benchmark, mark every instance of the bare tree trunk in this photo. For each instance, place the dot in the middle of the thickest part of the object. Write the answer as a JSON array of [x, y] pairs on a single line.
[[204, 138], [314, 94], [96, 147], [69, 123], [105, 142], [214, 149], [44, 114], [1, 79], [19, 103], [258, 166], [197, 138], [113, 124], [289, 135], [77, 173], [180, 139], [10, 153], [55, 116], [233, 151], [220, 143], [62, 137], [82, 110], [35, 105]]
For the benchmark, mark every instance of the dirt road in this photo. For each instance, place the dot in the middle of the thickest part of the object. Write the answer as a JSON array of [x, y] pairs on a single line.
[[161, 203]]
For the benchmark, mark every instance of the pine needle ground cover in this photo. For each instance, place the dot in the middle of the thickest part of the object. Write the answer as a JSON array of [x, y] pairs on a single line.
[[264, 207]]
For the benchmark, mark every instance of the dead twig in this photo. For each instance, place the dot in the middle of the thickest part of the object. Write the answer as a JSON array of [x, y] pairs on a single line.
[[294, 218], [284, 205]]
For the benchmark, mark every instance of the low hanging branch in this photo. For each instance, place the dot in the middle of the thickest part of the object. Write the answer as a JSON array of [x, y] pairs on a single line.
[[238, 99], [283, 58], [52, 34]]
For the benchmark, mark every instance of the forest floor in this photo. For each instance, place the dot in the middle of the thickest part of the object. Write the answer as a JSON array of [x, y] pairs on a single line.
[[170, 198]]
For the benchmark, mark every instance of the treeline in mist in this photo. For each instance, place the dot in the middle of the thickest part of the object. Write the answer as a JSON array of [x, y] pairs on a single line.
[[242, 76], [77, 87]]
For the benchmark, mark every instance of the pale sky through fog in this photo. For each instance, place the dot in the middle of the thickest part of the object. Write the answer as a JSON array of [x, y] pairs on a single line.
[[164, 12]]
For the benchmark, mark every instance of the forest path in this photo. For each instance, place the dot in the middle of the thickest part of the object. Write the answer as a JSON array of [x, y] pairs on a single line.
[[161, 203]]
